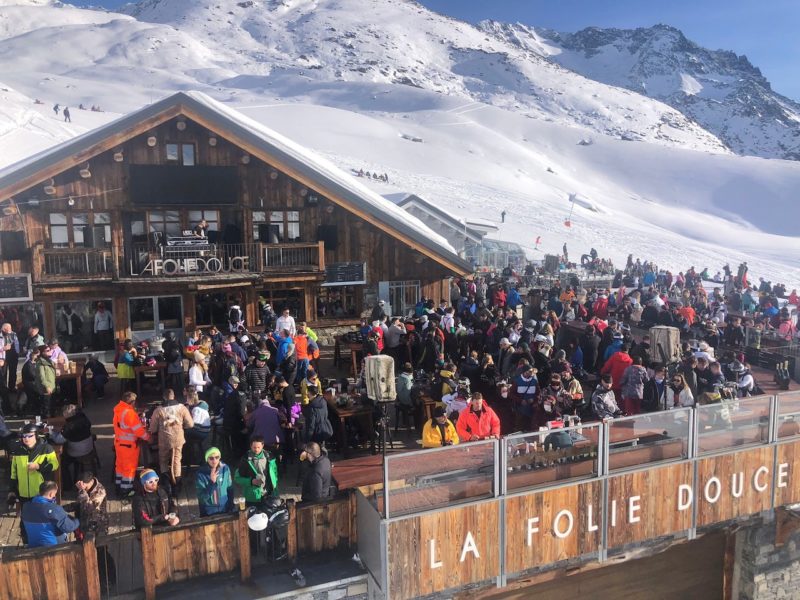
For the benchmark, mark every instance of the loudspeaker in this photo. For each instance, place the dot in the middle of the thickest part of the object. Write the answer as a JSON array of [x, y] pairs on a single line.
[[328, 234], [379, 377], [12, 245]]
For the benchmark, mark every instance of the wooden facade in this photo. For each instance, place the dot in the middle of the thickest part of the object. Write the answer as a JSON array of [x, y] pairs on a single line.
[[95, 223]]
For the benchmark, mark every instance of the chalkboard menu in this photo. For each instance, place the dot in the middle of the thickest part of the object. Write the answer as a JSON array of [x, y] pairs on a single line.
[[346, 273], [15, 288]]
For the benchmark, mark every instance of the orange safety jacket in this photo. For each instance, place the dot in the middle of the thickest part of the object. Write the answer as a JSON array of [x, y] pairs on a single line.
[[127, 425]]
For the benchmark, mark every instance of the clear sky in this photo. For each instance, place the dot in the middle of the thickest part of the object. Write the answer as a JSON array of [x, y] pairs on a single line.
[[766, 31]]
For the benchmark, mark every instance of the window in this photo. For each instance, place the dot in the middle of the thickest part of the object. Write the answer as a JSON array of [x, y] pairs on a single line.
[[164, 222], [284, 226], [181, 153], [259, 222], [403, 296], [80, 230], [211, 217], [337, 302]]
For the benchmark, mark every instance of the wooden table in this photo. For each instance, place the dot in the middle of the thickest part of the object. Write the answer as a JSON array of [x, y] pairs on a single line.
[[358, 472], [342, 413], [353, 347], [74, 375], [159, 368]]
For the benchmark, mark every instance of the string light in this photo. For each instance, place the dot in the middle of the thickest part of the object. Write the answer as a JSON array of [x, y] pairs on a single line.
[[37, 201]]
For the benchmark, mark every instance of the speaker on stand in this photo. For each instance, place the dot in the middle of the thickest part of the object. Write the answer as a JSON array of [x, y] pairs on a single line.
[[379, 378]]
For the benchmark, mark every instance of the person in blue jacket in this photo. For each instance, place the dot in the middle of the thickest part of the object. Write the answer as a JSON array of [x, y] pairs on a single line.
[[214, 485], [45, 522]]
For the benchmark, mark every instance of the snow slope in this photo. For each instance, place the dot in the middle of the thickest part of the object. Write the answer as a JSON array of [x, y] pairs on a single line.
[[447, 111]]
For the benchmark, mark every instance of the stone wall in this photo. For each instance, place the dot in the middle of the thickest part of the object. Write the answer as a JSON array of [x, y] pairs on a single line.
[[767, 567]]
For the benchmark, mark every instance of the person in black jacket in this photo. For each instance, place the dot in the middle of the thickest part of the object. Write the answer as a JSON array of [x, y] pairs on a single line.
[[655, 391], [79, 449], [317, 480], [153, 505], [318, 427], [257, 374], [288, 366], [29, 385], [590, 344]]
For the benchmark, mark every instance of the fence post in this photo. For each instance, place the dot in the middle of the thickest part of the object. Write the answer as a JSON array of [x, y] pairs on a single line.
[[148, 563], [244, 547], [92, 572], [353, 518], [291, 538]]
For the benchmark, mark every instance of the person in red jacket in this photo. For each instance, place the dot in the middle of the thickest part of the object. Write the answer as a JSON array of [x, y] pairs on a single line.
[[600, 307], [478, 421], [615, 366]]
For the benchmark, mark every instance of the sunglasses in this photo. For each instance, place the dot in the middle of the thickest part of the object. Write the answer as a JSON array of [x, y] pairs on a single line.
[[28, 435], [151, 481], [213, 458]]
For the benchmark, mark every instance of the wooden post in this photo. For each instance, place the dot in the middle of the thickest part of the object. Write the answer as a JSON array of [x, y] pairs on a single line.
[[92, 571], [321, 255], [291, 537], [148, 563], [353, 541], [728, 565], [244, 548]]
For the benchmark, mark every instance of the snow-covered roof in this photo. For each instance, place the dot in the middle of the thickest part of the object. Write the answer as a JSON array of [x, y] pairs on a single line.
[[275, 146], [405, 200]]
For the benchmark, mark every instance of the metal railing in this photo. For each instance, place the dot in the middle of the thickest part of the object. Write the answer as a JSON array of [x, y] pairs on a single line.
[[422, 481], [74, 262], [149, 260]]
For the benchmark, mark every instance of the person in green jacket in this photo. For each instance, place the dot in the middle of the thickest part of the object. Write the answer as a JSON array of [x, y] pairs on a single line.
[[33, 461], [45, 380], [257, 473]]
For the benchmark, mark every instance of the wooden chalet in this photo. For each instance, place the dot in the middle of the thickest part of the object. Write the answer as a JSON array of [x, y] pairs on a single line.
[[108, 216]]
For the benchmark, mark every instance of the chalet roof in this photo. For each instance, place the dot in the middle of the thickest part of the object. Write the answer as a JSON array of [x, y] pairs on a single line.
[[274, 148], [404, 200]]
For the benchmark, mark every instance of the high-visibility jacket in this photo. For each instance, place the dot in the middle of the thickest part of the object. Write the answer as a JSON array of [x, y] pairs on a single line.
[[24, 481], [128, 426]]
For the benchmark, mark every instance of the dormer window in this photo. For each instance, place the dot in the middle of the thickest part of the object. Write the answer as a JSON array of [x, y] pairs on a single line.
[[182, 154]]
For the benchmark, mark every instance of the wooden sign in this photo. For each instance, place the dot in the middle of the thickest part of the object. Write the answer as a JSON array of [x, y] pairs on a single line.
[[443, 550], [553, 525], [733, 485], [347, 273], [648, 504]]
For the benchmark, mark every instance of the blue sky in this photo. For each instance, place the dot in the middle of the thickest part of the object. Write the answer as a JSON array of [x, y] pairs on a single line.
[[766, 31]]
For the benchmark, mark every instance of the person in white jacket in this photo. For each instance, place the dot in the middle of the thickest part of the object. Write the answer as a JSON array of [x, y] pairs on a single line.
[[198, 373], [678, 394], [286, 321]]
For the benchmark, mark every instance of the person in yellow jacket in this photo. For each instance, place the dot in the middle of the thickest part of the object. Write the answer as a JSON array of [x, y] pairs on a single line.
[[128, 430], [439, 431]]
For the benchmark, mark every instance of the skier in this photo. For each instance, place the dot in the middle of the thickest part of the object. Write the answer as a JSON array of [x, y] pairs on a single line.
[[56, 108], [67, 118]]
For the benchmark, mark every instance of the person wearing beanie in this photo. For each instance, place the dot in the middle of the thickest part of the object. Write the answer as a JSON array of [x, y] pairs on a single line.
[[152, 506], [439, 431], [257, 473], [214, 485]]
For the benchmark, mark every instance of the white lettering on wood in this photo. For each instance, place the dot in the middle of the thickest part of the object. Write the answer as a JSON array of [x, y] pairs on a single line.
[[718, 490], [783, 473], [591, 526], [760, 487], [532, 528], [469, 546], [737, 484], [613, 513], [685, 496], [633, 509], [561, 534], [435, 564]]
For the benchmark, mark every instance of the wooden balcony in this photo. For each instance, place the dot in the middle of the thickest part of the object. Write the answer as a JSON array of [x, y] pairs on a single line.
[[67, 264], [209, 260]]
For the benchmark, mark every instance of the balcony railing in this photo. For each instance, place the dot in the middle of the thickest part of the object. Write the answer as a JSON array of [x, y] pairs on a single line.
[[75, 263], [147, 260]]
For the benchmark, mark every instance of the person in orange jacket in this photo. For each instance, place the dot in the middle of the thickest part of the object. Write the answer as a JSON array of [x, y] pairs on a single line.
[[478, 421], [128, 430]]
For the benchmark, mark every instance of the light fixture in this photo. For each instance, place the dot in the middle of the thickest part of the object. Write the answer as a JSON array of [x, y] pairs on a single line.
[[303, 192], [84, 172], [212, 141], [181, 125], [329, 208], [118, 156], [71, 201], [273, 175], [50, 187], [152, 141], [245, 159]]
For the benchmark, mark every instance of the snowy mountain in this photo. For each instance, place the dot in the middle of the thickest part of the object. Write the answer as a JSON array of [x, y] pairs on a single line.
[[718, 89], [470, 119]]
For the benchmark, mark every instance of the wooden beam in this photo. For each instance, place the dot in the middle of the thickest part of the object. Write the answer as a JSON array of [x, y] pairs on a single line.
[[728, 565], [92, 571], [291, 537], [244, 548], [148, 563], [258, 152]]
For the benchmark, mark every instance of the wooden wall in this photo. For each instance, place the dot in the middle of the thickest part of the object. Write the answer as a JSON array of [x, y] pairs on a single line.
[[724, 467], [323, 525], [51, 573], [789, 494], [546, 547], [410, 564], [658, 501]]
